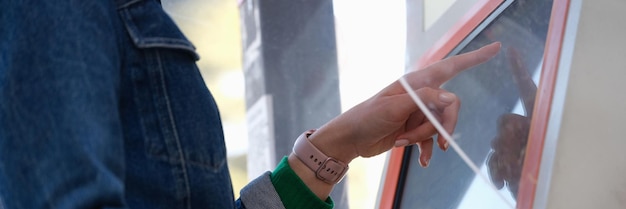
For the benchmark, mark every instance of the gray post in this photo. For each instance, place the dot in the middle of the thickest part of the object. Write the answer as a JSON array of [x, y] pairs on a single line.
[[292, 81]]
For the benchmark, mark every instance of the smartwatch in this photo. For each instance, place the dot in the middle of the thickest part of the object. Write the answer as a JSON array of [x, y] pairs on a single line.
[[327, 169]]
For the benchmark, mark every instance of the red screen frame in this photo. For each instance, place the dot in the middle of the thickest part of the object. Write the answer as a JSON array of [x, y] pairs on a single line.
[[552, 52]]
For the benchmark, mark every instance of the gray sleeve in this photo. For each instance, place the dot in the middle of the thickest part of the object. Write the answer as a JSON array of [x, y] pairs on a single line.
[[260, 193]]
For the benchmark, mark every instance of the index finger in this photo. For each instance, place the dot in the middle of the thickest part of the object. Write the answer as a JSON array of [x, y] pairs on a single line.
[[440, 72], [525, 83]]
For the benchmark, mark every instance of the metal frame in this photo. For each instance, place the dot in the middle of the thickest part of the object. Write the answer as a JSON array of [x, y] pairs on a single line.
[[558, 100]]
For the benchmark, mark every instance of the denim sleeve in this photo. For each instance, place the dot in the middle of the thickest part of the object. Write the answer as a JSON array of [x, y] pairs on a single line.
[[60, 136]]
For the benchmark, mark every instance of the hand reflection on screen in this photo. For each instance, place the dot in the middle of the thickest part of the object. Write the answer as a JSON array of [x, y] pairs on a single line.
[[506, 159]]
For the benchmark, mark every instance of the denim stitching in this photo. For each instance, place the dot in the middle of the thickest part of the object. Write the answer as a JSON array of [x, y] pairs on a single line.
[[130, 26], [167, 42], [142, 42], [172, 43], [126, 5], [173, 124]]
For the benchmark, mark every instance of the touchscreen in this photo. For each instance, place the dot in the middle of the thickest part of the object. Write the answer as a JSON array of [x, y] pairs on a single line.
[[496, 104]]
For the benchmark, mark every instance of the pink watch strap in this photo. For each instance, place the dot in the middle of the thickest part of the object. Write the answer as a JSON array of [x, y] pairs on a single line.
[[327, 169]]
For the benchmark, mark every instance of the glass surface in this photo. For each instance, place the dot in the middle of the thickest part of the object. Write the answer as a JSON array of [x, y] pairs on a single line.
[[493, 121]]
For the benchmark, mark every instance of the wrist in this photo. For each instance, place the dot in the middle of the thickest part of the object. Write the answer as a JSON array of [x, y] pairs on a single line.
[[334, 143], [317, 186], [326, 168]]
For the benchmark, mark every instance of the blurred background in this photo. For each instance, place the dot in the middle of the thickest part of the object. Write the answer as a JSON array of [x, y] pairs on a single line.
[[372, 52], [370, 37]]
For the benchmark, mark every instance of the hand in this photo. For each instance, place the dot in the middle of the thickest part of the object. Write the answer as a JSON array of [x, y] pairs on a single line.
[[506, 159], [391, 117]]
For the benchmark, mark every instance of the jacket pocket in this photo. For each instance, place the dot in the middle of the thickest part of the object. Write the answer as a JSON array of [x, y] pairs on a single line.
[[179, 118], [150, 27]]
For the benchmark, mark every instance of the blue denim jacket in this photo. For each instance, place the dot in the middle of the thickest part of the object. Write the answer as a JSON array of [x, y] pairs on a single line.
[[102, 106]]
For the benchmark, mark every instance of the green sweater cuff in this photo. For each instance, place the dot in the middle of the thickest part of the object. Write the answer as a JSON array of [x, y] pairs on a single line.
[[293, 192]]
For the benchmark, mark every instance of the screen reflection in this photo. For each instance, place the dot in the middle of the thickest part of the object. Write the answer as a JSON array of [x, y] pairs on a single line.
[[496, 104]]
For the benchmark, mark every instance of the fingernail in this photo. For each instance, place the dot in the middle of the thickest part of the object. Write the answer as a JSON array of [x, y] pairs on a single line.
[[425, 163], [499, 44], [489, 54], [401, 143], [445, 146], [446, 97]]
